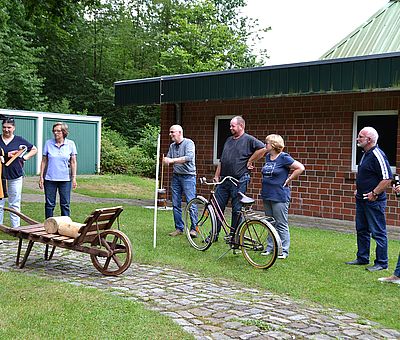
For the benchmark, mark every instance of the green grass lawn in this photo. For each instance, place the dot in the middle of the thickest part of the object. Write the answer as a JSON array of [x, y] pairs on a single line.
[[34, 308], [315, 270], [116, 186]]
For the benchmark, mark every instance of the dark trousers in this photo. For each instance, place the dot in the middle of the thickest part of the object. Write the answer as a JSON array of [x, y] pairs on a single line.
[[371, 221], [50, 191], [228, 190]]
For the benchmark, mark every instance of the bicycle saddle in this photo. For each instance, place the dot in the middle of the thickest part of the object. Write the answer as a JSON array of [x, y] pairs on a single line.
[[245, 200]]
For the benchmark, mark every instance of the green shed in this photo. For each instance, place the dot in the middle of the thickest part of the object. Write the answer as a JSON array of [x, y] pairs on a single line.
[[85, 131]]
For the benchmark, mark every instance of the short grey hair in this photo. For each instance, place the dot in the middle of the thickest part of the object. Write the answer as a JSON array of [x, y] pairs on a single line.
[[371, 133], [177, 128], [240, 120]]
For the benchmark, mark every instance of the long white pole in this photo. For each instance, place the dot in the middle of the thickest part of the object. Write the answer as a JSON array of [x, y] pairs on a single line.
[[156, 192]]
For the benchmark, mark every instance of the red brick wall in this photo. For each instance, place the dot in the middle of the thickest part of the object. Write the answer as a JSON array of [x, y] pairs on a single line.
[[317, 131]]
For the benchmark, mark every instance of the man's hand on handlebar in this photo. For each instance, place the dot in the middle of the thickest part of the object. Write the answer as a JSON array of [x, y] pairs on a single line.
[[216, 181]]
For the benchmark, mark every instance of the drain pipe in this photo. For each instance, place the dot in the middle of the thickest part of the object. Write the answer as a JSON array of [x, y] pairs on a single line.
[[178, 113]]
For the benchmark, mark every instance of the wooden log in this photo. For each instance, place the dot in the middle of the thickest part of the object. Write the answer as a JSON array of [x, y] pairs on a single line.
[[72, 229], [52, 224], [162, 198]]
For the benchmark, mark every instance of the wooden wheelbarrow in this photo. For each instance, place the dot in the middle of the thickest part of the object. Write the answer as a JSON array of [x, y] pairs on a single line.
[[110, 250]]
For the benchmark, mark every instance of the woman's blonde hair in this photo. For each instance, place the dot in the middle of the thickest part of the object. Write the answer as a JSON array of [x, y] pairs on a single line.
[[276, 142]]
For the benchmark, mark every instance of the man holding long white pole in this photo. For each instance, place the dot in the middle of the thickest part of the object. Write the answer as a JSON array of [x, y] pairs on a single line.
[[181, 154]]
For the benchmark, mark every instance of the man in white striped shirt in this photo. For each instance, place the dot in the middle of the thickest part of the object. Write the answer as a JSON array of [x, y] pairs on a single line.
[[373, 177]]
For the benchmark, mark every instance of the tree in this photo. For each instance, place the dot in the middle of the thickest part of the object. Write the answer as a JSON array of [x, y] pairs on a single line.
[[65, 55], [20, 84]]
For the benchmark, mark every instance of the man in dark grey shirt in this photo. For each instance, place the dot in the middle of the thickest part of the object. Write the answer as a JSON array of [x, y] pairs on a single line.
[[236, 152], [181, 154]]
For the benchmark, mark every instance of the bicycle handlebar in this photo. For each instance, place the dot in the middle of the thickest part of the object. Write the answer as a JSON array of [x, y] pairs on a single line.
[[203, 180]]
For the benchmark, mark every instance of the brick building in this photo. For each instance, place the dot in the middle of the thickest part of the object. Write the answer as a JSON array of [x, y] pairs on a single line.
[[318, 107]]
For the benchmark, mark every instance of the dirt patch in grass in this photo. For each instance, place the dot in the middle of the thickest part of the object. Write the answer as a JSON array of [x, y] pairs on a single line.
[[124, 189]]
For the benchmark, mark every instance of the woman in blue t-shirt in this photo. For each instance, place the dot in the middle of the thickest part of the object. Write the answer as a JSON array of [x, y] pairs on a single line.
[[275, 190], [58, 170], [13, 171]]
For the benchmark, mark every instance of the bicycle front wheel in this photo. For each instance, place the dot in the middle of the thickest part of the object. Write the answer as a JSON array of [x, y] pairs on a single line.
[[200, 214], [254, 238]]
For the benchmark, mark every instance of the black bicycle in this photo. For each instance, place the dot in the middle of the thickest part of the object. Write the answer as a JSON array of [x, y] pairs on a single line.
[[254, 233]]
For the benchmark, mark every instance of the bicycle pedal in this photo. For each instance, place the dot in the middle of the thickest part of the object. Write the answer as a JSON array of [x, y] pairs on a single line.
[[228, 238], [234, 246]]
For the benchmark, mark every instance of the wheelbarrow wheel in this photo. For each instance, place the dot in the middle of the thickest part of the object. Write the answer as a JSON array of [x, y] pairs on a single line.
[[120, 247]]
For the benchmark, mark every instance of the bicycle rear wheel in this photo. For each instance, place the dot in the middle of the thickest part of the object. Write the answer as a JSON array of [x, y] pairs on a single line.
[[254, 236], [200, 213]]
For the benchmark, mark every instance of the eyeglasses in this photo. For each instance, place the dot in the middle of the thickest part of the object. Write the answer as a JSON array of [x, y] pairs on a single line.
[[54, 131]]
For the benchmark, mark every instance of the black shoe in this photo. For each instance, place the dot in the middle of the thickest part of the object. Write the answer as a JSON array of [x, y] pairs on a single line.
[[207, 240], [375, 268], [233, 245], [356, 263], [228, 238]]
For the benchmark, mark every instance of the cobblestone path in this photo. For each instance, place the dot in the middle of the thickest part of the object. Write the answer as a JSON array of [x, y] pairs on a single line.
[[203, 306]]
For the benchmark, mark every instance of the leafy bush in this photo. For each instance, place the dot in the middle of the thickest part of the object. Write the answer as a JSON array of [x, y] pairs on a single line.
[[144, 154], [118, 158], [148, 140], [142, 164], [114, 153]]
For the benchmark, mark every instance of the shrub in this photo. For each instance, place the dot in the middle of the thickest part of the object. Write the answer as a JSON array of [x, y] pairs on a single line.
[[148, 140], [141, 163], [118, 158], [145, 152], [114, 153]]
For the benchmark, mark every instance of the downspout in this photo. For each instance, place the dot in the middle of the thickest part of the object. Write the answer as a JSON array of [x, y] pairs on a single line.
[[161, 89], [178, 114]]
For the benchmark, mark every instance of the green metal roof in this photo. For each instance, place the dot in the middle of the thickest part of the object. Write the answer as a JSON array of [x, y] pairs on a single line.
[[357, 74], [379, 34]]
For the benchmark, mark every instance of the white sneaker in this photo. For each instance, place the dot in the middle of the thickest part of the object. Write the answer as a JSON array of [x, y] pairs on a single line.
[[266, 253], [390, 279], [283, 256], [1, 242]]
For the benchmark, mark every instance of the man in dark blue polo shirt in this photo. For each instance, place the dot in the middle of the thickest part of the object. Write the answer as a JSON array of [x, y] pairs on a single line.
[[373, 177]]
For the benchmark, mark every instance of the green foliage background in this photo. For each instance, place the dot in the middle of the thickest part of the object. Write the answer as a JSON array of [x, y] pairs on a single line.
[[117, 157], [64, 56]]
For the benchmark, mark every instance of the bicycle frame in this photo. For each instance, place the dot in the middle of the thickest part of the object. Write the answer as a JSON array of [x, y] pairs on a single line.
[[220, 214], [214, 202], [255, 234]]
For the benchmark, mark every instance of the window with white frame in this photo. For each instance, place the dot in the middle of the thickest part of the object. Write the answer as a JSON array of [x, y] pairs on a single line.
[[385, 122], [221, 133]]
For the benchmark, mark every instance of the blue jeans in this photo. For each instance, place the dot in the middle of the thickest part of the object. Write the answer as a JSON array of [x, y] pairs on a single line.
[[228, 190], [14, 188], [183, 184], [50, 191], [279, 211], [371, 221]]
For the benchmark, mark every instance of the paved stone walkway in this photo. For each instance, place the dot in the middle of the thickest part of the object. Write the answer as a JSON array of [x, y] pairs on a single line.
[[202, 306]]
